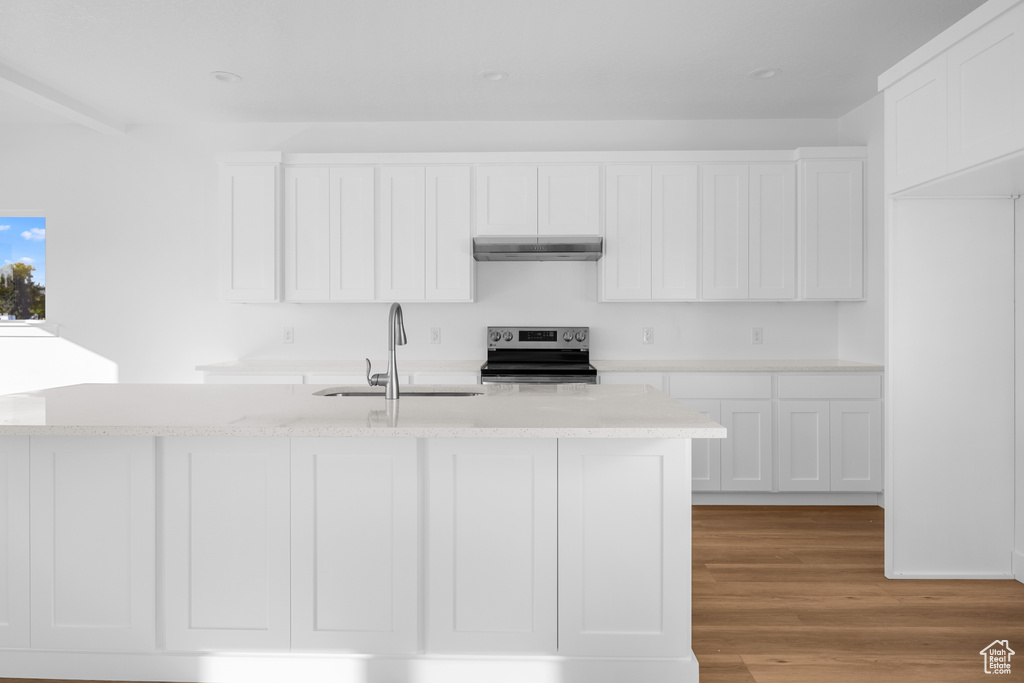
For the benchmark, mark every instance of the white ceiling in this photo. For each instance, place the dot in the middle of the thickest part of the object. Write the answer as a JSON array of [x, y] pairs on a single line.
[[142, 61]]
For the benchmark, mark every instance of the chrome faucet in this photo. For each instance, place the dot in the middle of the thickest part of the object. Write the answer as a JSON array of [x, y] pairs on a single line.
[[396, 336]]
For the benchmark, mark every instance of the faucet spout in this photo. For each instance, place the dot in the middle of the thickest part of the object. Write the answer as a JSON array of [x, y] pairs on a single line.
[[396, 327]]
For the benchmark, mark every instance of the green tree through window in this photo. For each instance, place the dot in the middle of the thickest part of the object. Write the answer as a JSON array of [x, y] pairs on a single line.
[[22, 268]]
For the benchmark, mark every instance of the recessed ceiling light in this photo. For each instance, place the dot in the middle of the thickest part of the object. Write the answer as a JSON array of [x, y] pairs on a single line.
[[491, 75], [225, 77], [762, 74]]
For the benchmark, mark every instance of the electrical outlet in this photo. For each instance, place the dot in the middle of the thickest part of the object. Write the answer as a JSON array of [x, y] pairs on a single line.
[[648, 337], [435, 335], [757, 335], [289, 335]]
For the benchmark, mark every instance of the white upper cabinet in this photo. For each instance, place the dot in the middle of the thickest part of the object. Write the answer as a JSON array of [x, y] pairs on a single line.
[[985, 92], [506, 200], [328, 234], [772, 240], [626, 266], [725, 230], [915, 120], [400, 263], [675, 223], [651, 225], [958, 102], [307, 255], [832, 233], [532, 200], [568, 200], [352, 234], [749, 231], [449, 239], [249, 231]]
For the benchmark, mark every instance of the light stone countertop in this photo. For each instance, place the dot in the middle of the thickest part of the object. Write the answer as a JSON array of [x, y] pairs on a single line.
[[412, 365], [509, 411]]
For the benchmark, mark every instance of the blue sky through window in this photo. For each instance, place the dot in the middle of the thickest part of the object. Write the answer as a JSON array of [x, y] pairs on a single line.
[[23, 239]]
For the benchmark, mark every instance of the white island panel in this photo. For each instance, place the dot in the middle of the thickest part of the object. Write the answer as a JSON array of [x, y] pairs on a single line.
[[93, 543], [493, 545], [226, 541], [14, 541], [355, 545]]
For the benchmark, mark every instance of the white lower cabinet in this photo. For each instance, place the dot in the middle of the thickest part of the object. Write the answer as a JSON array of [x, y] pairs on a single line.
[[226, 543], [93, 547], [747, 451], [706, 454], [15, 619], [804, 463], [355, 545], [830, 446], [492, 560], [623, 577]]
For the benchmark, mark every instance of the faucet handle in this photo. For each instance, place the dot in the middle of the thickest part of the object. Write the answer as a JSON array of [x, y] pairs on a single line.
[[369, 380]]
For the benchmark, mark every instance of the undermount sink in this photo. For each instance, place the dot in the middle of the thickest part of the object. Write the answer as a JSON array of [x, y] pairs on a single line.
[[405, 394]]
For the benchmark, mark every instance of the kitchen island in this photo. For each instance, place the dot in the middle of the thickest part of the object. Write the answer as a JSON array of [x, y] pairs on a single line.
[[264, 533]]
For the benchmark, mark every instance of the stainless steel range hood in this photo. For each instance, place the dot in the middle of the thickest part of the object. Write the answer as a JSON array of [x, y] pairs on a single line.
[[540, 248]]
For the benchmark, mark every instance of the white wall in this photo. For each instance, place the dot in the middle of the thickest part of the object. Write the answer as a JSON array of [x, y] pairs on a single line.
[[1018, 555], [862, 323], [132, 269], [950, 404]]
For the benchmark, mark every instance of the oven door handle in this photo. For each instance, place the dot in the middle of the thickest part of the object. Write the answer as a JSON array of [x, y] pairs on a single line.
[[538, 379]]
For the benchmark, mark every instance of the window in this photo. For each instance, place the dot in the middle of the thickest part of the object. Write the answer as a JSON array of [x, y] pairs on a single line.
[[22, 268]]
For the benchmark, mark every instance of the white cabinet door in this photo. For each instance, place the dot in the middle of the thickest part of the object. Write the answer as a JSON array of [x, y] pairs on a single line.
[[833, 230], [856, 445], [772, 255], [400, 259], [568, 200], [804, 462], [725, 231], [492, 521], [675, 224], [747, 450], [249, 232], [307, 253], [624, 548], [15, 619], [355, 545], [352, 248], [506, 200], [93, 543], [706, 454], [985, 91], [626, 266], [226, 543], [449, 239], [915, 127]]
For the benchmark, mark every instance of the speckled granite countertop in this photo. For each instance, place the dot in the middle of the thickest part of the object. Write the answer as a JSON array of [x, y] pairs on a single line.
[[510, 411]]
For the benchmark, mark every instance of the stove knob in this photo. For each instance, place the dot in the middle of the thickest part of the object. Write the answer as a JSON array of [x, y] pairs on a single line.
[[581, 335], [507, 336], [495, 336], [567, 335]]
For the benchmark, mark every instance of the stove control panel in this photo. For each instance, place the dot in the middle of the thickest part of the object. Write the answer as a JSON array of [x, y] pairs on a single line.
[[538, 338]]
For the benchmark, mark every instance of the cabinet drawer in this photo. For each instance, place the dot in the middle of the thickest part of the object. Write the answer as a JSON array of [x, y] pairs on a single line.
[[705, 385], [830, 386]]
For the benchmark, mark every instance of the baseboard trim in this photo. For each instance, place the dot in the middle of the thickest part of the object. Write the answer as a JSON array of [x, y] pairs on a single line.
[[323, 668], [785, 498], [1017, 565]]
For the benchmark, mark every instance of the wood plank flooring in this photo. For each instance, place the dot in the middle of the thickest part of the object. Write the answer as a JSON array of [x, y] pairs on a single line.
[[798, 594]]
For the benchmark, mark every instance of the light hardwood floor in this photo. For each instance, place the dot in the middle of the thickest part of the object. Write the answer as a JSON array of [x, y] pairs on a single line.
[[798, 594]]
